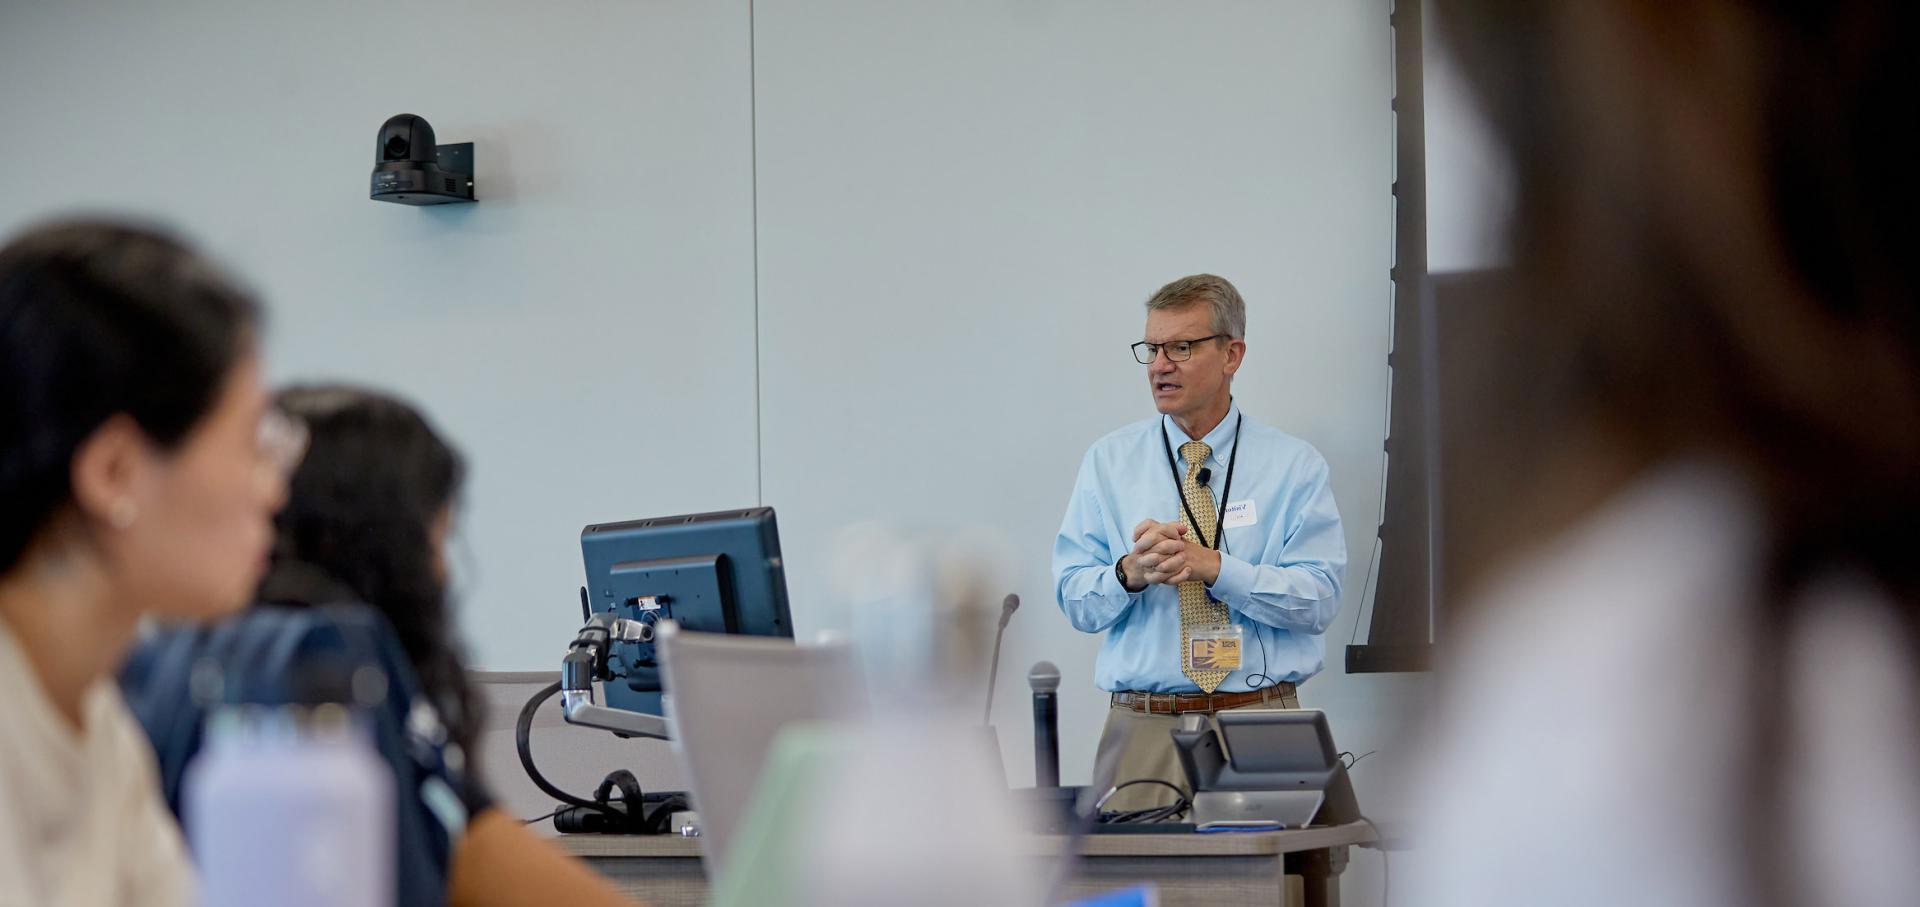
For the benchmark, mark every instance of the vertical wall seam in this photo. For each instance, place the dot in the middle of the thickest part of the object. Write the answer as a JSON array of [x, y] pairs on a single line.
[[753, 116]]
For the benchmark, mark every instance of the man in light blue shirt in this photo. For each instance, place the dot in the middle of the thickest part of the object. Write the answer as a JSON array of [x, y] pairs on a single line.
[[1259, 583]]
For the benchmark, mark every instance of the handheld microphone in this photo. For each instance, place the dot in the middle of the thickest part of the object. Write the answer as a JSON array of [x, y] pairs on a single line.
[[1044, 679], [1007, 607]]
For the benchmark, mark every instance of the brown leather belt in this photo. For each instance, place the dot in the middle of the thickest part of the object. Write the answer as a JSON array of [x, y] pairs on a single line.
[[1180, 703]]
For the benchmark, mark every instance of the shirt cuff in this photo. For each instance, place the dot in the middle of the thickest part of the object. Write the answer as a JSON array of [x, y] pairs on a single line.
[[1234, 585]]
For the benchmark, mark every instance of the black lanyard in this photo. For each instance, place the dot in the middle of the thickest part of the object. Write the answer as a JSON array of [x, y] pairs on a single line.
[[1226, 491]]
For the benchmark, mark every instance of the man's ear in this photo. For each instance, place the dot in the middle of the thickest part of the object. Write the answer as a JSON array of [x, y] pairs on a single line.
[[1236, 353], [111, 472]]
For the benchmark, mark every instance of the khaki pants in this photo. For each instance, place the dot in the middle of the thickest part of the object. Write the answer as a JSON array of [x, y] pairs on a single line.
[[1149, 752]]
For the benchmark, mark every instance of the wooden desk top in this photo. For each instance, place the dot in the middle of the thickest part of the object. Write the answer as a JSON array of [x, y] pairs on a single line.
[[1265, 843]]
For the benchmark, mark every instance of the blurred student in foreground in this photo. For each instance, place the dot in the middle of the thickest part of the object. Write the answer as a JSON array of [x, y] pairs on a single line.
[[140, 466], [367, 523], [1687, 668]]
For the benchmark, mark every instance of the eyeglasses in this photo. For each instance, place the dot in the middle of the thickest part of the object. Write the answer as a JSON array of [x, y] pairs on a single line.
[[282, 441], [1177, 350]]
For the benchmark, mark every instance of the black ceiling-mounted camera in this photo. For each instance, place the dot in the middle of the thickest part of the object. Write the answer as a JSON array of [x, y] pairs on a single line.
[[410, 169]]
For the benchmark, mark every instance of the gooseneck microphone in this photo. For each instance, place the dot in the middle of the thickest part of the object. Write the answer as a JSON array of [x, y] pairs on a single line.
[[1044, 679], [1007, 607]]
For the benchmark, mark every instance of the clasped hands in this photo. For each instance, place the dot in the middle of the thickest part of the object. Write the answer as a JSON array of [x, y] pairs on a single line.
[[1164, 553]]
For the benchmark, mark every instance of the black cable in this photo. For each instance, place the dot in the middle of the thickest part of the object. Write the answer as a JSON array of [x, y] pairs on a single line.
[[1160, 813], [1375, 562], [523, 741], [564, 809], [1166, 784], [1146, 816], [1167, 812], [1265, 679]]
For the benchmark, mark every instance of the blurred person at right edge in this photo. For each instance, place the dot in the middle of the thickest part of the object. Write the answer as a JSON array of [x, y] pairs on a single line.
[[1683, 663]]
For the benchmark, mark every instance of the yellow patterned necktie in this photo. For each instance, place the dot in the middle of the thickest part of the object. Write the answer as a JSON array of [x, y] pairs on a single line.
[[1197, 608]]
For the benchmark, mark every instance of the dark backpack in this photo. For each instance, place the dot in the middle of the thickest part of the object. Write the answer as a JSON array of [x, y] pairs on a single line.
[[259, 654]]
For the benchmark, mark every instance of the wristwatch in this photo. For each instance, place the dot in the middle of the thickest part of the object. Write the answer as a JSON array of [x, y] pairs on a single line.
[[1120, 574]]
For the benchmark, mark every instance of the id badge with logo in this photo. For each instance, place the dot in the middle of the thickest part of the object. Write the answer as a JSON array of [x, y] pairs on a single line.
[[1216, 648]]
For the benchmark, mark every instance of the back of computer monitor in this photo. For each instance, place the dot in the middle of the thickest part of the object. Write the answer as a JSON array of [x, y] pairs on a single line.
[[710, 572]]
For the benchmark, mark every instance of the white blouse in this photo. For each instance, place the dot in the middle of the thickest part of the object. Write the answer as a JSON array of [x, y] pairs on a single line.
[[1590, 746], [82, 822]]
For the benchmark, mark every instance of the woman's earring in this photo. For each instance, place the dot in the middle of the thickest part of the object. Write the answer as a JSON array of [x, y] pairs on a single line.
[[122, 514]]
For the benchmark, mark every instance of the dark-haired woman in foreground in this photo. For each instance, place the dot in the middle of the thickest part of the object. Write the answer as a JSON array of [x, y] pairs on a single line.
[[366, 524], [140, 467]]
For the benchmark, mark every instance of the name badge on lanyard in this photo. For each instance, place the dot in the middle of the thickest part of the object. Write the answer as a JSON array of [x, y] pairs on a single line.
[[1216, 647]]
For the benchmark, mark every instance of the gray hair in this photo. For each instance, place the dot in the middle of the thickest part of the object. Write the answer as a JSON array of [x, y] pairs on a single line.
[[1229, 311]]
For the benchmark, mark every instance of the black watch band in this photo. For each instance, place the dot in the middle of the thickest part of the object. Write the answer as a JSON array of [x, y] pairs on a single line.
[[1120, 573]]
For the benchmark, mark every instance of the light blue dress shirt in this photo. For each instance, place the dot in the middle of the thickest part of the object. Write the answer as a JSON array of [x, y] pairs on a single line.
[[1280, 577]]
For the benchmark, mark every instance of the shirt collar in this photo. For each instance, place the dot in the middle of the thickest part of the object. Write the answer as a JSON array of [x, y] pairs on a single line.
[[1220, 439]]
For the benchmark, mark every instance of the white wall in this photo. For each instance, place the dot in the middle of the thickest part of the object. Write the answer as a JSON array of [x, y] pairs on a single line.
[[961, 213], [585, 332], [960, 208]]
